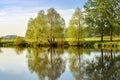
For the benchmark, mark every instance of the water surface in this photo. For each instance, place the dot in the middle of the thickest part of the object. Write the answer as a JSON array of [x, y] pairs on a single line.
[[59, 64]]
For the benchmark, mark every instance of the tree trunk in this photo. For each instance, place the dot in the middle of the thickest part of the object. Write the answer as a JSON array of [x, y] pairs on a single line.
[[51, 42], [110, 35], [102, 57], [111, 56], [78, 42], [102, 35]]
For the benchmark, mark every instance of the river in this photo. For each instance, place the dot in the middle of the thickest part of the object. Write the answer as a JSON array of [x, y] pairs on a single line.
[[71, 63]]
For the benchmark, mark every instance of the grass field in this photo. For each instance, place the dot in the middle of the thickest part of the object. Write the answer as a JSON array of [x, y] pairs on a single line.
[[70, 39], [98, 38], [106, 38]]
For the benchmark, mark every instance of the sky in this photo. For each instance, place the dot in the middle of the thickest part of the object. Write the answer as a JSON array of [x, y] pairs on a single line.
[[14, 14]]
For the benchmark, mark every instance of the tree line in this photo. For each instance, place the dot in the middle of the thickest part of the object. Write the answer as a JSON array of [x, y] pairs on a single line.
[[99, 18]]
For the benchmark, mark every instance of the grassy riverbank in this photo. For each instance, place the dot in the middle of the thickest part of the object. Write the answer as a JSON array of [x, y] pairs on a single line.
[[93, 42]]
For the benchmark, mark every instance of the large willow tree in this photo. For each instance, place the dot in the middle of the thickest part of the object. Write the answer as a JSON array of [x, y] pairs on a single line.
[[56, 25], [46, 27]]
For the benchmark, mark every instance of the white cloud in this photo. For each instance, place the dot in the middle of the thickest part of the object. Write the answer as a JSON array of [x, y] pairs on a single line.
[[66, 14], [2, 12], [14, 20]]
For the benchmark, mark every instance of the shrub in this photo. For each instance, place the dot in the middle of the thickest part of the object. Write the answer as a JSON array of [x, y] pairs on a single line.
[[19, 41]]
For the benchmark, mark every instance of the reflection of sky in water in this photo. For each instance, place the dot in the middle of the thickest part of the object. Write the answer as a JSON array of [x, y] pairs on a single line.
[[67, 75], [13, 66], [90, 56]]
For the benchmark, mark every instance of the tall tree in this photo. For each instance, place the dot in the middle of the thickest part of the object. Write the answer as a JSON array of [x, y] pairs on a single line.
[[30, 28], [101, 14], [46, 27], [56, 25], [41, 26], [37, 28], [75, 28], [94, 16], [112, 9]]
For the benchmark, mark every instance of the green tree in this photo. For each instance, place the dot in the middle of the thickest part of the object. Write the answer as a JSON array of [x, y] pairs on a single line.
[[46, 27], [103, 14], [56, 25], [41, 27], [37, 28], [75, 28], [30, 28], [94, 16], [112, 9]]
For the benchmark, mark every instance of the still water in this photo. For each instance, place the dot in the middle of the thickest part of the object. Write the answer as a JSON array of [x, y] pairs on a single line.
[[59, 64]]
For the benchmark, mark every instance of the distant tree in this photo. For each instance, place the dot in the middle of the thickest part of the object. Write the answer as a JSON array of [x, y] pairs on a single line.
[[75, 28], [19, 41]]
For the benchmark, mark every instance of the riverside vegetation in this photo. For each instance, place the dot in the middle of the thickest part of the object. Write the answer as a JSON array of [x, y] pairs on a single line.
[[97, 26]]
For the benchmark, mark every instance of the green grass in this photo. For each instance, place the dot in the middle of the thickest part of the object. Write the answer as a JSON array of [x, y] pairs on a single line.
[[105, 38], [87, 42]]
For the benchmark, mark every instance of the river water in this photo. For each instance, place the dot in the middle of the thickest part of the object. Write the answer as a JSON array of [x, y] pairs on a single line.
[[72, 63]]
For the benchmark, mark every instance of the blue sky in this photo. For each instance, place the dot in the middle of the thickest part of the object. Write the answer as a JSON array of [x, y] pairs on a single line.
[[14, 14]]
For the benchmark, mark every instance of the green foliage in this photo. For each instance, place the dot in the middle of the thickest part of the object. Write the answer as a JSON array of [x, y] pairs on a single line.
[[104, 16], [46, 27], [37, 29], [6, 44], [19, 41], [75, 29]]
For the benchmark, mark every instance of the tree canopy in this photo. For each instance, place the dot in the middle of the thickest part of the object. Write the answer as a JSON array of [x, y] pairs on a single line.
[[46, 27], [103, 15], [75, 27]]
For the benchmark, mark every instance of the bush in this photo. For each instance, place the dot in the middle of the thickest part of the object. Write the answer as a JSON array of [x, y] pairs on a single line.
[[19, 41]]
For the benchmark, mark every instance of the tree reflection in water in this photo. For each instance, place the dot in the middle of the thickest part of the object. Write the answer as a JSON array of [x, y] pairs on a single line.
[[19, 49], [105, 67], [76, 65], [46, 63], [49, 63], [0, 50]]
